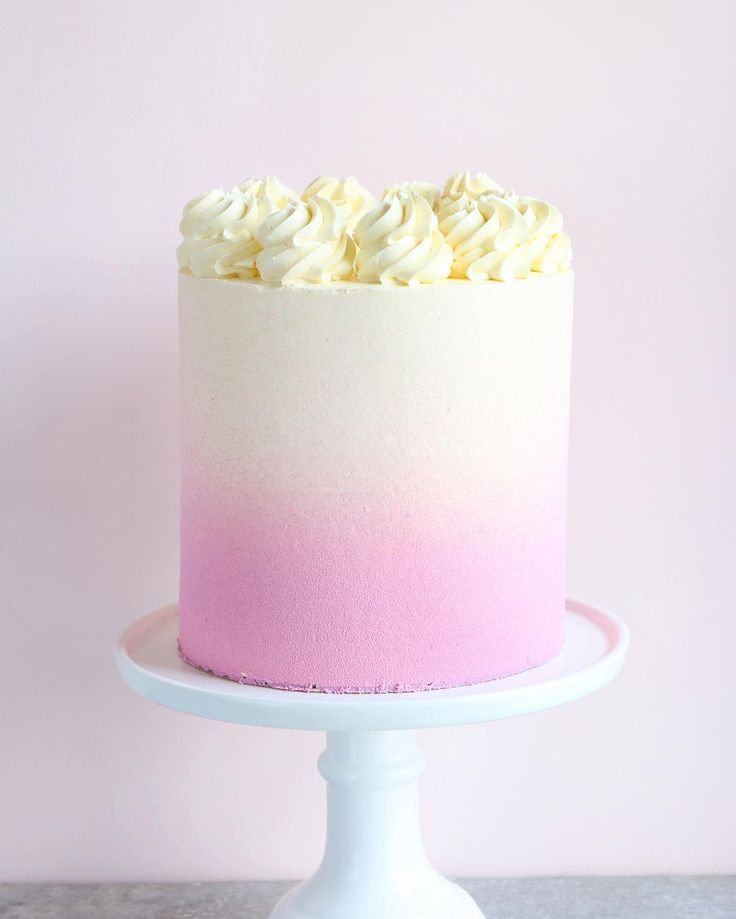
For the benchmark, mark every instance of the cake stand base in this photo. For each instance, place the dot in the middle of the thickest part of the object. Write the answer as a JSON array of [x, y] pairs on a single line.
[[374, 865]]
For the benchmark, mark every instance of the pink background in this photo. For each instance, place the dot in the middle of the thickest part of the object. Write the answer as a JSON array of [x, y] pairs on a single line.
[[622, 113]]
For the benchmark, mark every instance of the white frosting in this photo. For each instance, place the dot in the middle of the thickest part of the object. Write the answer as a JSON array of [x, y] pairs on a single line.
[[489, 238], [305, 241], [218, 228], [550, 248], [224, 258], [325, 347], [399, 241], [270, 187], [350, 198], [473, 186], [203, 248], [473, 230], [426, 190]]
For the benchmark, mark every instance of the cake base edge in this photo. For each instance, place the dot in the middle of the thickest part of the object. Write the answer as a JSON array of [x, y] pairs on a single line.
[[245, 679]]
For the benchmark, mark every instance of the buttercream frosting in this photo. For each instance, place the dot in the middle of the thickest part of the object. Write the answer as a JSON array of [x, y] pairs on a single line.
[[399, 241], [350, 198], [474, 230], [347, 455], [218, 228], [489, 238], [473, 186], [270, 187], [306, 241], [550, 248], [426, 190]]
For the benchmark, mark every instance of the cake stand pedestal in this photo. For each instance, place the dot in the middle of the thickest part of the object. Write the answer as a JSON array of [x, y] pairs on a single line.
[[374, 866]]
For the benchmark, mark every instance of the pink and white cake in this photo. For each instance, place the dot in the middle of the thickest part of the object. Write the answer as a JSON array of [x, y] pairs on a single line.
[[374, 434]]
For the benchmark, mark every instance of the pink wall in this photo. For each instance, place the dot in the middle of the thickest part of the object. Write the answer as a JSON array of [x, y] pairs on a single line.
[[622, 113]]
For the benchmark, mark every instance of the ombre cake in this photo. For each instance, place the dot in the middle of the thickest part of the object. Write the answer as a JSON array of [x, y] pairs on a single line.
[[374, 434]]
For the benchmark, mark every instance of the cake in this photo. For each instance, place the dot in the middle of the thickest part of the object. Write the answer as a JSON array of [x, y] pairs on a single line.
[[374, 433]]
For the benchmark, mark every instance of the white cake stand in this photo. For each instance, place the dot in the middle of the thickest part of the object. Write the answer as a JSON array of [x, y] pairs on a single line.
[[374, 866]]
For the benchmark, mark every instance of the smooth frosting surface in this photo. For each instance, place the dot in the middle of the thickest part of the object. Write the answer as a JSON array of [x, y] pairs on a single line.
[[474, 230], [373, 497]]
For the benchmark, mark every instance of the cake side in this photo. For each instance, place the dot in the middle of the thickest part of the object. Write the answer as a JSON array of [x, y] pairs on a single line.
[[373, 480]]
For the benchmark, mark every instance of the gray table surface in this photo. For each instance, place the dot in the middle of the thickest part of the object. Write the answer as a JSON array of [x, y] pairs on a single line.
[[531, 898]]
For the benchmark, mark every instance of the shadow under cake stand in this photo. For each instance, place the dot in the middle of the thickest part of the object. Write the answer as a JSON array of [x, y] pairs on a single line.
[[374, 865]]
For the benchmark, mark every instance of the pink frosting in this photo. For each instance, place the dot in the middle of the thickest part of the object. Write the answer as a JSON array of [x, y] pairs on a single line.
[[373, 485], [358, 593]]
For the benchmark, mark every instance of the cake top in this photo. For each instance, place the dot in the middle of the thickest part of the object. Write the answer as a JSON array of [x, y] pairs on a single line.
[[336, 230]]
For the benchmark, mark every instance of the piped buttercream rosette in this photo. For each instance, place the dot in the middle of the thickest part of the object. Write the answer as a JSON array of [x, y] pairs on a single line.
[[489, 238], [471, 186], [474, 229], [550, 248], [426, 190], [399, 241], [218, 228], [351, 199], [306, 241]]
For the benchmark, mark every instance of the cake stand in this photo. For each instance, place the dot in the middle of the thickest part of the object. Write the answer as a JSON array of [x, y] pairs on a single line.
[[374, 865]]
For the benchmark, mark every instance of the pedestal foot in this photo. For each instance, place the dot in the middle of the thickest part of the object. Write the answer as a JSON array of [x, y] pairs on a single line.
[[374, 866]]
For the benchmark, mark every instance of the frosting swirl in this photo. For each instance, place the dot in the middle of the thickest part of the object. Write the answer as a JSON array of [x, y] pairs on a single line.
[[202, 224], [269, 187], [218, 229], [399, 241], [305, 241], [473, 186], [473, 229], [207, 214], [351, 199], [550, 247], [489, 238], [425, 190], [223, 258]]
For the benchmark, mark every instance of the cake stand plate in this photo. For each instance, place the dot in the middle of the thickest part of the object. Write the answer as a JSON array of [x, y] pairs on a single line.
[[374, 866]]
